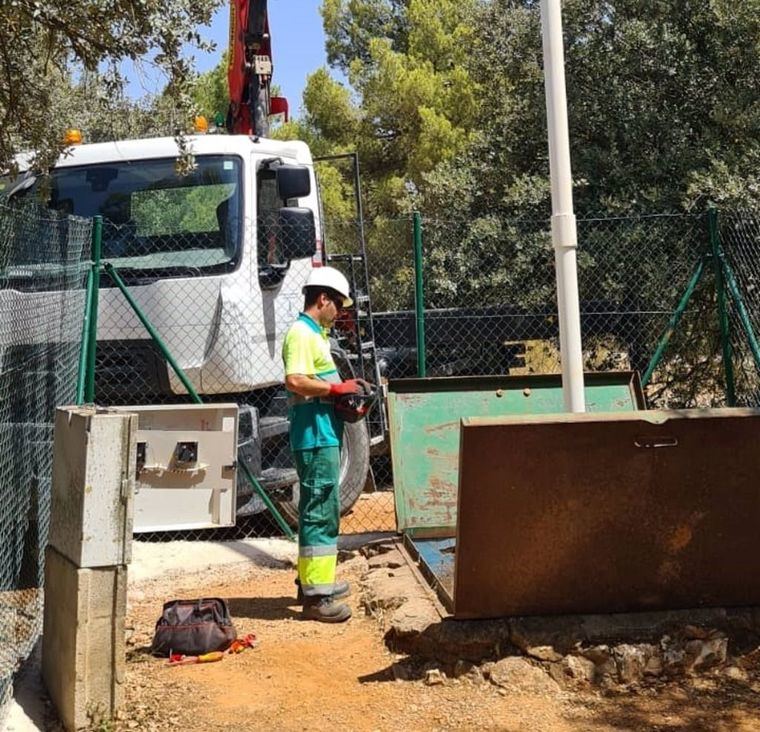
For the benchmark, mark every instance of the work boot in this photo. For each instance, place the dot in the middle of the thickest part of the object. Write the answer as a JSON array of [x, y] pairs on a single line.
[[340, 591], [325, 610]]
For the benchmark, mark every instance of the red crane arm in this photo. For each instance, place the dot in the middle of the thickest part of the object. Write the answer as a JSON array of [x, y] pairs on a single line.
[[249, 73]]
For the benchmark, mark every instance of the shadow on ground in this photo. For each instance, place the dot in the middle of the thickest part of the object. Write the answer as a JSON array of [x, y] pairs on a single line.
[[264, 608], [714, 704]]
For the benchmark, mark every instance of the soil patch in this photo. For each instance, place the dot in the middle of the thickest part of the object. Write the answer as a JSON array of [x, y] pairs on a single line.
[[308, 676]]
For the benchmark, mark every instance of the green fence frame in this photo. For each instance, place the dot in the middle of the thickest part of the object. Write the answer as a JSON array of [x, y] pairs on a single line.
[[86, 376]]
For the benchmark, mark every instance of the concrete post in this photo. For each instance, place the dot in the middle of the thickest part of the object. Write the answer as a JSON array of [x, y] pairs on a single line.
[[83, 642]]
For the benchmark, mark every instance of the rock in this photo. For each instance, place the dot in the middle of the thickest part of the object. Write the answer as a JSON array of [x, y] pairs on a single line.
[[391, 559], [578, 669], [487, 668], [464, 668], [413, 617], [475, 675], [557, 673], [632, 660], [654, 665], [561, 633], [736, 674], [434, 677], [519, 675], [374, 548], [673, 657], [707, 653], [646, 627], [544, 653], [598, 655]]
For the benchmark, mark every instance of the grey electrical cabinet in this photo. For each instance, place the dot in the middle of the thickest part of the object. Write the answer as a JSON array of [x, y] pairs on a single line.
[[185, 468]]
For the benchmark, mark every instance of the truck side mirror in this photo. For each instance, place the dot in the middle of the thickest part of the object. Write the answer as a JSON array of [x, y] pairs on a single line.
[[292, 181], [296, 233]]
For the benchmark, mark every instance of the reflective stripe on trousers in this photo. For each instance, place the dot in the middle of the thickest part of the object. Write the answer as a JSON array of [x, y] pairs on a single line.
[[319, 518]]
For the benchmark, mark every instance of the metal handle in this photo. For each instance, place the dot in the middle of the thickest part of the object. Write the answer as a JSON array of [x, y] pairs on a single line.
[[656, 442], [159, 468]]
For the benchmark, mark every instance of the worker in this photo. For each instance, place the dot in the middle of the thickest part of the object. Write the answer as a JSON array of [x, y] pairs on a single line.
[[313, 382]]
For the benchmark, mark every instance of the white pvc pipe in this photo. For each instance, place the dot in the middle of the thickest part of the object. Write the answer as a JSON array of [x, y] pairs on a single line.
[[564, 233]]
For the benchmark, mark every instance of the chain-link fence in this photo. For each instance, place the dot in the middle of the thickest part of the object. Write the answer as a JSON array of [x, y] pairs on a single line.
[[740, 239], [222, 290], [43, 260], [490, 301], [490, 308], [650, 301]]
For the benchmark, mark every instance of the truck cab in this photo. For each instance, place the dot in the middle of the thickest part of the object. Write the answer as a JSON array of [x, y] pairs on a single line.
[[205, 255]]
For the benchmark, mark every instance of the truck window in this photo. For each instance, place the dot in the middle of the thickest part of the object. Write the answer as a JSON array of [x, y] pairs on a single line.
[[155, 221], [268, 204]]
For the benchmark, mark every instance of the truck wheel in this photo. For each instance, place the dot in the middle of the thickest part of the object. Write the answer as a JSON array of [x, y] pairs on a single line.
[[354, 464]]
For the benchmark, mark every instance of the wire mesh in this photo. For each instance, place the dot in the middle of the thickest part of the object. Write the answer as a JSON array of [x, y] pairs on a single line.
[[490, 295], [220, 307], [632, 274], [43, 261], [739, 233], [490, 308], [222, 290]]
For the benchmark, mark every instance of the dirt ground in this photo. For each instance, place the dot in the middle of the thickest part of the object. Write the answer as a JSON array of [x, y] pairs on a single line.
[[309, 676], [372, 512]]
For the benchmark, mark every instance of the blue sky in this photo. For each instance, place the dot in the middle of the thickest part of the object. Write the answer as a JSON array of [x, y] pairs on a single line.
[[298, 42]]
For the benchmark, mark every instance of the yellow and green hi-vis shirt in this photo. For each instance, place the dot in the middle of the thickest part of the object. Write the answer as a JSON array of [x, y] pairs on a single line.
[[306, 351]]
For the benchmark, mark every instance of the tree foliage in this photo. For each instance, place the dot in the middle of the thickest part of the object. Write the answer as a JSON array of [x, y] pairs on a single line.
[[210, 91], [663, 115], [663, 106], [42, 40], [447, 110], [412, 103], [448, 106]]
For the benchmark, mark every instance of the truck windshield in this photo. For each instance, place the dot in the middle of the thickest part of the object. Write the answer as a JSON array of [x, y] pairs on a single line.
[[156, 222]]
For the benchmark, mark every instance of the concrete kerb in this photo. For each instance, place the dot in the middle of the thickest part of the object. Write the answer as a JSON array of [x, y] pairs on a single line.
[[570, 651]]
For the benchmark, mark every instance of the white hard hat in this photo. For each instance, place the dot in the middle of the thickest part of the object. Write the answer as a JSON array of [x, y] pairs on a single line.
[[332, 278]]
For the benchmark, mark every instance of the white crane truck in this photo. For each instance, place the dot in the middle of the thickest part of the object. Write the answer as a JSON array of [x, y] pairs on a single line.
[[216, 259]]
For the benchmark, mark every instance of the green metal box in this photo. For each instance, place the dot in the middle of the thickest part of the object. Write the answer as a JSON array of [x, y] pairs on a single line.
[[425, 416]]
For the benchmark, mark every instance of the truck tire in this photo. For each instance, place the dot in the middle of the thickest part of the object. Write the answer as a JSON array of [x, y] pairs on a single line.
[[354, 465]]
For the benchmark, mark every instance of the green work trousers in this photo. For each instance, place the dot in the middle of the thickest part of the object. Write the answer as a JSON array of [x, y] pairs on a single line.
[[319, 518]]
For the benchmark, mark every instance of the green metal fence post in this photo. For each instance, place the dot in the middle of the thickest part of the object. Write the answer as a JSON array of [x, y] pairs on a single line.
[[673, 323], [182, 376], [419, 296], [733, 288], [84, 348], [92, 338], [725, 336]]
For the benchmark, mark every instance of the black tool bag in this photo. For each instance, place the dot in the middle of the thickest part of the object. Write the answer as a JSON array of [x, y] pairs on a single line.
[[193, 627]]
